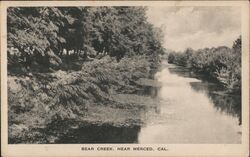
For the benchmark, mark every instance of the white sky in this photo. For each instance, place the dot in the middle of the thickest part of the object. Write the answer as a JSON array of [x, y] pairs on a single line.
[[196, 27]]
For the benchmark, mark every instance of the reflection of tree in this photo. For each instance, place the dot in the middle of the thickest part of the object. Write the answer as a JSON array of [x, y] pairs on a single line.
[[92, 133], [230, 104], [223, 102], [186, 72]]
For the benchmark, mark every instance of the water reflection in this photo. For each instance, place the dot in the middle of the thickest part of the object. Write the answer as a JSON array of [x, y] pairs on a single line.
[[192, 110], [222, 101], [92, 133]]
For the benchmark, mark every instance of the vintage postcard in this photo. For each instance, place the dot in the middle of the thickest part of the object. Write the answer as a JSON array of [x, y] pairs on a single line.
[[124, 78]]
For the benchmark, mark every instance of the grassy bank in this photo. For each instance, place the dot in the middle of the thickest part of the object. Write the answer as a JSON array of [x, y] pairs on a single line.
[[44, 106]]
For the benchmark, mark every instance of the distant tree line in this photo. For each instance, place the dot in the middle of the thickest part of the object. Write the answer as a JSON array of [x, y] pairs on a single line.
[[46, 36], [222, 63]]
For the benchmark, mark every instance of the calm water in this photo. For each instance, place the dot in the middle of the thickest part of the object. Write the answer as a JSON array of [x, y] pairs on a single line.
[[192, 110]]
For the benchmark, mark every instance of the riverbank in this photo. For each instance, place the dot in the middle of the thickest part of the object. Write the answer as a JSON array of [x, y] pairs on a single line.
[[103, 92]]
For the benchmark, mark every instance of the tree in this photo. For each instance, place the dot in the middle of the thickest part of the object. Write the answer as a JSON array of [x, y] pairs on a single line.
[[44, 33], [237, 45]]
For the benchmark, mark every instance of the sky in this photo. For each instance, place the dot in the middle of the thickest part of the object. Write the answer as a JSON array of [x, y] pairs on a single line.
[[196, 27]]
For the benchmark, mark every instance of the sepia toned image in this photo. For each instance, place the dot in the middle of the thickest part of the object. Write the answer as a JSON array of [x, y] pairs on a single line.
[[127, 74]]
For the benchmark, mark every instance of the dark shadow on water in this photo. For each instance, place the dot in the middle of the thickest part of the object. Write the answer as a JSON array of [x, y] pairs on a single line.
[[94, 134]]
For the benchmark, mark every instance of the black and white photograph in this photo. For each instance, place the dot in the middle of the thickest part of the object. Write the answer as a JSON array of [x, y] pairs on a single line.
[[128, 74]]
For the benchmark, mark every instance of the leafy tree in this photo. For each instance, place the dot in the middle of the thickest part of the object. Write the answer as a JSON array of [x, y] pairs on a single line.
[[48, 35]]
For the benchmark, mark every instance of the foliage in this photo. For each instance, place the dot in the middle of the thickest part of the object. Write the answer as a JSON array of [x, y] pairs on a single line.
[[88, 39], [67, 63], [58, 101], [47, 36], [222, 63]]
